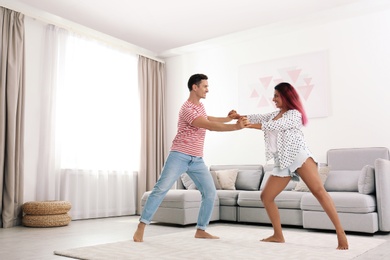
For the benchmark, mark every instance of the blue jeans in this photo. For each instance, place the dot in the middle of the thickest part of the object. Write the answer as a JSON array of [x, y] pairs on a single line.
[[176, 164]]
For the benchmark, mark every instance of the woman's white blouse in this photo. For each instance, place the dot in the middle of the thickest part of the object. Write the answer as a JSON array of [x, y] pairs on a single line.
[[290, 139]]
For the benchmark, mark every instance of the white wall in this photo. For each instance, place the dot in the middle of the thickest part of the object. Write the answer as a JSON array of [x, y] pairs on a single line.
[[359, 61]]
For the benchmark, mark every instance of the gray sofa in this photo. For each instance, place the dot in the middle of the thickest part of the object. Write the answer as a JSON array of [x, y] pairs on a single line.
[[357, 179]]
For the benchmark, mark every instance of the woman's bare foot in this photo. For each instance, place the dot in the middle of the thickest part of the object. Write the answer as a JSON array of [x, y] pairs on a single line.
[[274, 239], [343, 242], [139, 233], [203, 234]]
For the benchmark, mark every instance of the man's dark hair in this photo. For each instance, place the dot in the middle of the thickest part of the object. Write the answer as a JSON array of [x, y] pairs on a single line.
[[196, 79]]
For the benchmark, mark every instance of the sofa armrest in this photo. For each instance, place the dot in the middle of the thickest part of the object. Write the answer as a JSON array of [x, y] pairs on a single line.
[[382, 184]]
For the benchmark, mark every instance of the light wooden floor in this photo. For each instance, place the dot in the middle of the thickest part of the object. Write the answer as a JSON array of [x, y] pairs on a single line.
[[39, 243]]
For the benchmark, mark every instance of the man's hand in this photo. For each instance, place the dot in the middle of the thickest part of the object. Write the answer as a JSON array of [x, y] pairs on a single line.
[[233, 114]]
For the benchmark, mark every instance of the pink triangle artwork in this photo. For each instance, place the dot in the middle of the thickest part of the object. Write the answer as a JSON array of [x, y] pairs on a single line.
[[305, 91], [254, 94], [263, 102], [294, 74], [308, 73], [265, 81]]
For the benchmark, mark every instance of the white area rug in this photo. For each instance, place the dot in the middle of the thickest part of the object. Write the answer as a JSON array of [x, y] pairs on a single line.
[[235, 243]]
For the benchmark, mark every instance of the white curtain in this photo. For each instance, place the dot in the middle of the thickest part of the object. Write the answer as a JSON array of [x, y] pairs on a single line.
[[48, 184], [90, 126]]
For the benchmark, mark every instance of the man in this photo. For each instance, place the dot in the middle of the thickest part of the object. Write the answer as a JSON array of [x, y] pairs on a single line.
[[186, 156]]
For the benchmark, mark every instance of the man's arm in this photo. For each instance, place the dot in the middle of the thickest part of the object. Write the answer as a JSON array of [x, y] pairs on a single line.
[[219, 119], [231, 115], [208, 124]]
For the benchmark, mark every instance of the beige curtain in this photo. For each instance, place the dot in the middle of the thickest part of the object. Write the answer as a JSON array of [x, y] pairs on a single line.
[[11, 116], [151, 77]]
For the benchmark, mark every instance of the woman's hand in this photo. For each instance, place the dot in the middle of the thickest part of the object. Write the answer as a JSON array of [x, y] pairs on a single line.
[[243, 122]]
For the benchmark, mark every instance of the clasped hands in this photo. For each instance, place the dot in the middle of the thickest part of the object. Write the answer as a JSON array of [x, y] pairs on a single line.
[[242, 121]]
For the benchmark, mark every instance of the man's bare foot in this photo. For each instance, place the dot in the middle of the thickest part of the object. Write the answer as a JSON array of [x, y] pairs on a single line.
[[274, 239], [139, 233], [203, 234], [343, 242]]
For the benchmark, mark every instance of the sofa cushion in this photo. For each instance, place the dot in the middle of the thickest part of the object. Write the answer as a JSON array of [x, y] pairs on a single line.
[[227, 178], [349, 202], [366, 182], [228, 197], [215, 179], [355, 158], [284, 200], [342, 180], [248, 179]]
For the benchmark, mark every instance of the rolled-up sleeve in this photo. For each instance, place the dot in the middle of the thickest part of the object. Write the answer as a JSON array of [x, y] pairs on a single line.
[[291, 119], [259, 118]]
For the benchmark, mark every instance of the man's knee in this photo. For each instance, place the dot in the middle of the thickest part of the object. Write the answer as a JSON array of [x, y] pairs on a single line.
[[209, 194]]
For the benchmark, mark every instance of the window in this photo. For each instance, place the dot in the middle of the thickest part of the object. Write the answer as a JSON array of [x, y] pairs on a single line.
[[98, 107]]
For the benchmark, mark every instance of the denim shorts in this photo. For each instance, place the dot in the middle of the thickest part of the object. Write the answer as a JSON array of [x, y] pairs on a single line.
[[290, 171]]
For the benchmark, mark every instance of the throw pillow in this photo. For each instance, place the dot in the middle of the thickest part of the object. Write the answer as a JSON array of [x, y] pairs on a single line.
[[323, 171], [248, 179], [188, 182], [215, 179], [366, 182], [227, 178], [342, 180]]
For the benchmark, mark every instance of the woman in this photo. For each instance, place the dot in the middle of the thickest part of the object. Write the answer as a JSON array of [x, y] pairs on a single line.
[[286, 144]]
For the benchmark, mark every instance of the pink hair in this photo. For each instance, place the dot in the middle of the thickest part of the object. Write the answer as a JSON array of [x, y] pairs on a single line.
[[291, 99]]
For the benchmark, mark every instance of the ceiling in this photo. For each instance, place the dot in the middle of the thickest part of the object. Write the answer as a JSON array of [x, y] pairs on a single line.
[[162, 25]]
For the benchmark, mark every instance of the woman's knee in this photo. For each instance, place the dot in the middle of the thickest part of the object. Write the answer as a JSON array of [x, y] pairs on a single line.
[[266, 198], [319, 192]]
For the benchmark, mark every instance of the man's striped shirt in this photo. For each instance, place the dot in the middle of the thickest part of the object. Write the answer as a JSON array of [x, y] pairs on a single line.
[[189, 139]]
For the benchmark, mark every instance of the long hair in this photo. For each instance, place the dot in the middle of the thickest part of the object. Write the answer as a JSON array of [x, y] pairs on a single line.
[[291, 99]]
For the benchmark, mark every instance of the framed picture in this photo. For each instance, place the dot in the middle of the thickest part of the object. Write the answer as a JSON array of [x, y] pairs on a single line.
[[308, 73]]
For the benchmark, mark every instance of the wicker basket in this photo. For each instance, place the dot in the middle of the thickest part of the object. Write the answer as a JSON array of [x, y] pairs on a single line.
[[49, 207], [46, 220], [51, 213]]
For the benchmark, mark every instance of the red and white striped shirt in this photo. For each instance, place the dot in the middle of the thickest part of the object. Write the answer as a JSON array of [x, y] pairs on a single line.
[[189, 139]]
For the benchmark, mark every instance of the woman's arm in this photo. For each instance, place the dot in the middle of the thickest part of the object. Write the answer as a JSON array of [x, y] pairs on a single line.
[[260, 118], [254, 126], [290, 119]]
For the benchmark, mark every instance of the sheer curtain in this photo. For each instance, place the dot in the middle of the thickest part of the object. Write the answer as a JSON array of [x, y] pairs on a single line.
[[49, 171], [90, 134]]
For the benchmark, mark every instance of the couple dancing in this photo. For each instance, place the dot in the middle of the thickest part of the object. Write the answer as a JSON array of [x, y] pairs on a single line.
[[284, 142]]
